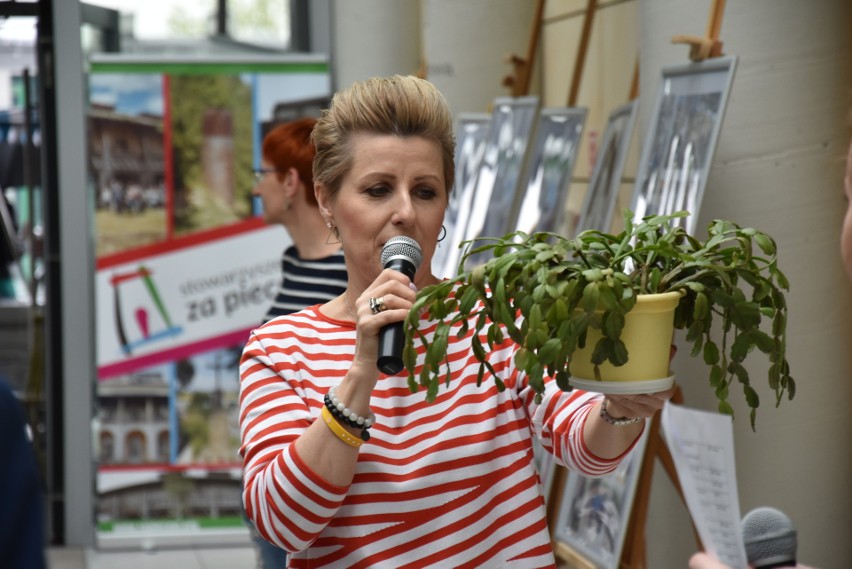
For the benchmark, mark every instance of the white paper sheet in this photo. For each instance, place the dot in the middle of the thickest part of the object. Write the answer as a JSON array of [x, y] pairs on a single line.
[[702, 446]]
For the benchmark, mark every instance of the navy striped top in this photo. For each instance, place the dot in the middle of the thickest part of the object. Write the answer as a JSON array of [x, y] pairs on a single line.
[[306, 282]]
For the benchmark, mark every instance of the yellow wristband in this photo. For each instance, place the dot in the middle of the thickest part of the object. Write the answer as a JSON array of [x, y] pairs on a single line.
[[338, 430]]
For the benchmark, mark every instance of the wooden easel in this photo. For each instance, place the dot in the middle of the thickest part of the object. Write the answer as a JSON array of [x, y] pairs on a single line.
[[633, 555], [519, 80], [582, 49], [709, 46], [634, 552]]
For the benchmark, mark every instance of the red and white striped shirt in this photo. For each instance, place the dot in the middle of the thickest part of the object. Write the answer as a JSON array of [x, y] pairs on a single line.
[[450, 483]]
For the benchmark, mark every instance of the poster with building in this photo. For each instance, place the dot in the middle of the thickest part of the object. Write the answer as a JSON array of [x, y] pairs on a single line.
[[185, 269]]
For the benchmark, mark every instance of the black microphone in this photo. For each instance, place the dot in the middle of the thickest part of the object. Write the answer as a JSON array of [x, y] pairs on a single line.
[[770, 538], [400, 254]]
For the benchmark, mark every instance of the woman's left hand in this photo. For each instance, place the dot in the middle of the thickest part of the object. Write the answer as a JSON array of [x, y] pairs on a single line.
[[639, 405], [642, 405]]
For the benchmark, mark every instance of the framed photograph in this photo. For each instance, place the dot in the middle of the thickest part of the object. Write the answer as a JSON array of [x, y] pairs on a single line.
[[10, 247], [498, 178], [549, 170], [594, 513], [605, 183], [681, 141], [471, 134]]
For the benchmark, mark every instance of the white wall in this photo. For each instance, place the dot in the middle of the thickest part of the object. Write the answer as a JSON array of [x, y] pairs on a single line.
[[466, 48], [462, 47], [374, 38], [778, 167]]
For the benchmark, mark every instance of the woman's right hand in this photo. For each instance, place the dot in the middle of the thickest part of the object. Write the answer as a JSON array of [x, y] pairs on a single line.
[[397, 296], [701, 560]]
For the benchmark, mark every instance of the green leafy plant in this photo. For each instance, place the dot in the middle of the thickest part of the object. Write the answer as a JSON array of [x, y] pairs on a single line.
[[732, 302]]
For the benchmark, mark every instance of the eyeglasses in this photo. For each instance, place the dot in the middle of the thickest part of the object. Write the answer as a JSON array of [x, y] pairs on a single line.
[[259, 173]]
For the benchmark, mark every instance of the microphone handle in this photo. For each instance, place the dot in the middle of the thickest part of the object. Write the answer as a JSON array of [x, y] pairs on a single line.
[[391, 342], [391, 336]]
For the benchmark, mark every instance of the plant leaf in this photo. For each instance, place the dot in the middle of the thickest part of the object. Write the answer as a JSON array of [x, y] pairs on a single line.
[[711, 353], [619, 353], [766, 243], [468, 300], [751, 396], [547, 353], [716, 375], [590, 297], [763, 341]]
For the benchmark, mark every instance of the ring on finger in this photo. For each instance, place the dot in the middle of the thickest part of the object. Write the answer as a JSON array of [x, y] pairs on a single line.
[[377, 305]]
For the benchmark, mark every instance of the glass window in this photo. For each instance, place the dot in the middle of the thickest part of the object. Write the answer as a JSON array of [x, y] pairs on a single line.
[[135, 448], [265, 22], [163, 19], [163, 447], [107, 448], [20, 29]]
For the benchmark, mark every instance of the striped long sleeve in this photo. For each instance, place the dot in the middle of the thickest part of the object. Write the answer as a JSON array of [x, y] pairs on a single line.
[[450, 483]]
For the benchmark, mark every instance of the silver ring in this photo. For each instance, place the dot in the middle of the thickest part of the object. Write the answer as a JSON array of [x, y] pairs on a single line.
[[377, 305]]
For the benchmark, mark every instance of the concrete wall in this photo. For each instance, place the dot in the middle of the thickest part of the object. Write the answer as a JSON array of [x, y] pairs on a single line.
[[462, 47], [778, 167], [374, 37], [466, 48]]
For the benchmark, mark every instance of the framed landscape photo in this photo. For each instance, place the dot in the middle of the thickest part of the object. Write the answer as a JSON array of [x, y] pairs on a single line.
[[549, 170], [681, 140], [471, 135], [594, 513], [605, 183], [498, 178]]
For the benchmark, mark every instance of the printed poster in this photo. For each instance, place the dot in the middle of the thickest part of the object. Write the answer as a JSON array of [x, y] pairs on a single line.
[[185, 269]]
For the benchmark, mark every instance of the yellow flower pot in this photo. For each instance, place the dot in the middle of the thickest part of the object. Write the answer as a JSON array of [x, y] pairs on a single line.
[[647, 334]]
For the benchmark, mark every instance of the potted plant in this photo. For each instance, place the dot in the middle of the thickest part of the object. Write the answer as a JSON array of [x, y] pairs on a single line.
[[577, 297]]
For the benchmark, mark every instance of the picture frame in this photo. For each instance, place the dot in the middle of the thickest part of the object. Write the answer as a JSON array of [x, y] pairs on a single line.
[[471, 135], [681, 141], [593, 513], [549, 170], [607, 174], [9, 242], [513, 121]]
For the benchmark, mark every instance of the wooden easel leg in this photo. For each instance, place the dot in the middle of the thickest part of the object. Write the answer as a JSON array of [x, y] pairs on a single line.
[[580, 60], [557, 485], [633, 553]]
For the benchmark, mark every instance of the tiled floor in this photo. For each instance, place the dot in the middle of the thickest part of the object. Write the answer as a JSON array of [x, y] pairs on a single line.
[[242, 557]]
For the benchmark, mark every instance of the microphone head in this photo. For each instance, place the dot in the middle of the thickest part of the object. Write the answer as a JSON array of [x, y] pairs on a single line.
[[402, 247], [769, 537]]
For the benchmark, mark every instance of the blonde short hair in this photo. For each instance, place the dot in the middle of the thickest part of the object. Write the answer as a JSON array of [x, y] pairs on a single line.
[[400, 105]]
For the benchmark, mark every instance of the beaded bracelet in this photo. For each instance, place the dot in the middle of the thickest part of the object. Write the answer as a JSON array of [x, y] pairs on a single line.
[[618, 422], [351, 418], [338, 430]]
